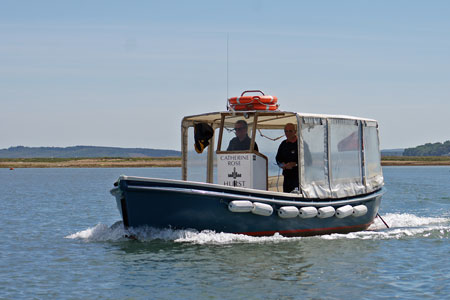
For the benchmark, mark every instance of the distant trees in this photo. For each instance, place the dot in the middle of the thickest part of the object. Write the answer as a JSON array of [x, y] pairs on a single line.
[[84, 151], [429, 149]]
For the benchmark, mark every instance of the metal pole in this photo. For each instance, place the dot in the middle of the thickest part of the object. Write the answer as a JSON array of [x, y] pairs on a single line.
[[378, 215]]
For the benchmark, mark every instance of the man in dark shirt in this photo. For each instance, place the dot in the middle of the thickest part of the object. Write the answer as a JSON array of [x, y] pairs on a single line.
[[242, 140], [287, 158]]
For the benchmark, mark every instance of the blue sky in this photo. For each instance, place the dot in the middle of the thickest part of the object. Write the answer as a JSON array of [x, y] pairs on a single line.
[[124, 73]]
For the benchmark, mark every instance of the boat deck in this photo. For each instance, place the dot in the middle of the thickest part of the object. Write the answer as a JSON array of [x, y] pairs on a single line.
[[275, 183]]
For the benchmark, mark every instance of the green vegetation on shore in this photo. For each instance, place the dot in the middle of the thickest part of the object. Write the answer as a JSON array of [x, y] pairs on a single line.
[[100, 162], [429, 149]]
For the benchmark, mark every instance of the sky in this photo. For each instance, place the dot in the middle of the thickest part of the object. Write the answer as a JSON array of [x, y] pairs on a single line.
[[124, 73]]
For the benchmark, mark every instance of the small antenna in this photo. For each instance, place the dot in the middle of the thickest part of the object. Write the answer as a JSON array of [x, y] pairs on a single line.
[[227, 66]]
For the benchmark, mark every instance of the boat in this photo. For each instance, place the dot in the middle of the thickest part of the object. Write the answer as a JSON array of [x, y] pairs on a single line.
[[340, 183]]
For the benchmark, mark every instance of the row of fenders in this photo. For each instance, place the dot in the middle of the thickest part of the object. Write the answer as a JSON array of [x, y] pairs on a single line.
[[306, 212]]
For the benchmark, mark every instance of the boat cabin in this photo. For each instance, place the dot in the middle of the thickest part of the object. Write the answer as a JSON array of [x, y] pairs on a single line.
[[338, 156]]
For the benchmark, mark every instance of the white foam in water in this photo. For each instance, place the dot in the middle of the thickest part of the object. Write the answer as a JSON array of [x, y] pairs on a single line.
[[406, 220], [211, 237], [100, 233], [401, 226]]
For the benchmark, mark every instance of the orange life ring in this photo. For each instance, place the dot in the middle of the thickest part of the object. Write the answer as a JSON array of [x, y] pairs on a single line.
[[255, 107], [253, 100]]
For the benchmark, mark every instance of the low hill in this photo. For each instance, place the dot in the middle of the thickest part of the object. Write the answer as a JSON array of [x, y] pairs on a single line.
[[429, 149], [83, 151]]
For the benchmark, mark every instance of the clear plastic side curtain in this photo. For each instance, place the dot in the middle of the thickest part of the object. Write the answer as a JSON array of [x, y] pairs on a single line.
[[372, 157], [332, 157], [314, 158], [345, 158]]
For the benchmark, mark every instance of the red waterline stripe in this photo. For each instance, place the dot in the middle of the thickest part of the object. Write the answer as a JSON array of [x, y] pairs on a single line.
[[296, 231]]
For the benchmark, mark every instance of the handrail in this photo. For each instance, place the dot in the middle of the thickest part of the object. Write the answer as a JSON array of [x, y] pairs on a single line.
[[252, 91]]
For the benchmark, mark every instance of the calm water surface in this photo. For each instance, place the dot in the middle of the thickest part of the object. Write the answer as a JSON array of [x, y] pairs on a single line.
[[57, 243]]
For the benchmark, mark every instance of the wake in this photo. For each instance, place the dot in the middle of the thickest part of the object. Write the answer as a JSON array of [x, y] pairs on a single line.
[[401, 226]]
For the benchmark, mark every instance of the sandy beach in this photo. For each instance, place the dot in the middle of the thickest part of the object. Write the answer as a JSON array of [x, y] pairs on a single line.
[[415, 161], [91, 163]]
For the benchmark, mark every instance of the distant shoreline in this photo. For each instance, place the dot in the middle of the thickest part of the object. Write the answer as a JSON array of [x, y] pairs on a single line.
[[415, 161], [175, 162], [104, 162]]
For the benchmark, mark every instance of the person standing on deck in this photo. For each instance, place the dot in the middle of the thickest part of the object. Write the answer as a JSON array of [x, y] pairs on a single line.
[[287, 158]]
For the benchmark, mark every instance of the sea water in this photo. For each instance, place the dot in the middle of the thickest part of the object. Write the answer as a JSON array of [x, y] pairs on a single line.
[[57, 242]]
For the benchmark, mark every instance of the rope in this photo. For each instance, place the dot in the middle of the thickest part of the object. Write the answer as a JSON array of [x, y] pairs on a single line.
[[378, 215], [278, 179], [269, 138]]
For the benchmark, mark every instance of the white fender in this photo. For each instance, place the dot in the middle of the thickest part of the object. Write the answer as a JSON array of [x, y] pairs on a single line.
[[262, 209], [359, 210], [286, 212], [325, 212], [344, 211], [240, 206], [307, 212]]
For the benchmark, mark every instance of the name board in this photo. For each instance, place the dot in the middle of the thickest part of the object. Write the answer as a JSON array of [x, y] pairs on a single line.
[[246, 170]]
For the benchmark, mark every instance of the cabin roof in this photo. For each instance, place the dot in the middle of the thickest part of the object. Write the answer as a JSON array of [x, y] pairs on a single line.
[[268, 119]]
